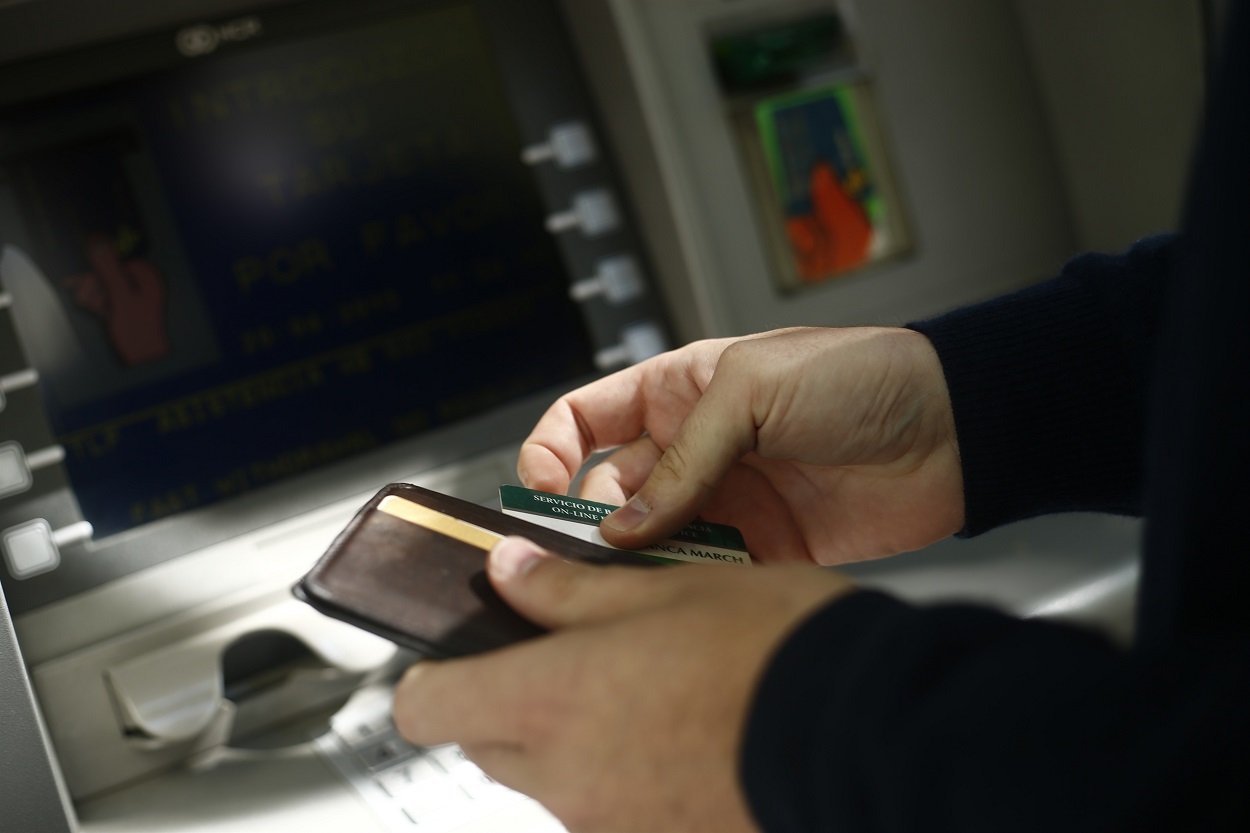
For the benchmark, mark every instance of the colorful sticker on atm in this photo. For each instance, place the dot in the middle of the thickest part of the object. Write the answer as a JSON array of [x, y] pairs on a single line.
[[814, 150]]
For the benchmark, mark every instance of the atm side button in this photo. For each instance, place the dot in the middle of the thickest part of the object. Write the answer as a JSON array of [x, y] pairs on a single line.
[[15, 476], [34, 547], [16, 466], [16, 381], [29, 549], [569, 144], [594, 212]]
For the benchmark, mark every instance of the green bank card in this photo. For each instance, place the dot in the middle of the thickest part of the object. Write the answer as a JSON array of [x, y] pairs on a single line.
[[698, 543]]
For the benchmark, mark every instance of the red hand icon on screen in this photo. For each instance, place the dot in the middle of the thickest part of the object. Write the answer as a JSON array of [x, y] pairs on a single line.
[[836, 236], [128, 296]]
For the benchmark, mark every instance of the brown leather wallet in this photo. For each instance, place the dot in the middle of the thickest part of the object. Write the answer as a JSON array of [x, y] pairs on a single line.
[[410, 567]]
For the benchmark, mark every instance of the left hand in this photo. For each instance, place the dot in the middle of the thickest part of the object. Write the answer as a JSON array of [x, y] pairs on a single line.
[[629, 716]]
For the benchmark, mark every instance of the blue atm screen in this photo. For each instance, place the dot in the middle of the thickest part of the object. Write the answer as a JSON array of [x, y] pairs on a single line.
[[265, 261]]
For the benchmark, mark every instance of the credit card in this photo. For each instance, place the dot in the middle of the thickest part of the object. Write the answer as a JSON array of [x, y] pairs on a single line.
[[439, 522], [700, 542]]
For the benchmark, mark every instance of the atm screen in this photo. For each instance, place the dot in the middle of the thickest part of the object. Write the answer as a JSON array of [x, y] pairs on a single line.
[[251, 264]]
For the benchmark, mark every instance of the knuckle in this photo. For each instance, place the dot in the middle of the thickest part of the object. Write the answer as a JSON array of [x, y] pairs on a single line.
[[676, 466], [564, 583], [409, 681], [406, 705], [539, 722], [407, 722], [674, 463], [736, 355]]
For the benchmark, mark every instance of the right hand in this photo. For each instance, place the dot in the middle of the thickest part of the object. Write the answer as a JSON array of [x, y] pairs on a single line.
[[821, 445]]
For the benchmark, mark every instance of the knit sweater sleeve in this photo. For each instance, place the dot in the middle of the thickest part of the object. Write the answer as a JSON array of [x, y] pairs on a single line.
[[1049, 387], [876, 715]]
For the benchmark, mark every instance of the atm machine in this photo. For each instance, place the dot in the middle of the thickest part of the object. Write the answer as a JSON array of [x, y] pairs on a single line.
[[262, 257]]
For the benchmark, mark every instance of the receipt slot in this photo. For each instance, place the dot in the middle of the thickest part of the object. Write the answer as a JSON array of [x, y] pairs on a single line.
[[155, 698]]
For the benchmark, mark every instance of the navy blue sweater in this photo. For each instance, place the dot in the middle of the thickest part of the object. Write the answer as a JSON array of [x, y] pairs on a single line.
[[1121, 385]]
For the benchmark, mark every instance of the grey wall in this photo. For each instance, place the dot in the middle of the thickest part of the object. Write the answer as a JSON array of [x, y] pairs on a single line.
[[1121, 82]]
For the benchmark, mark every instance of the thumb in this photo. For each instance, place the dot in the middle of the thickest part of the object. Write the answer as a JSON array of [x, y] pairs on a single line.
[[556, 593], [716, 433]]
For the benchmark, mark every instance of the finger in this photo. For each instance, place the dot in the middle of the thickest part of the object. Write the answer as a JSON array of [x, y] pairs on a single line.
[[621, 473], [506, 763], [719, 430], [749, 500], [102, 256], [464, 700], [651, 396], [557, 594], [606, 413]]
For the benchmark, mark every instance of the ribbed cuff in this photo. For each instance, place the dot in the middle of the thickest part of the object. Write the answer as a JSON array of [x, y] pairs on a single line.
[[1047, 412]]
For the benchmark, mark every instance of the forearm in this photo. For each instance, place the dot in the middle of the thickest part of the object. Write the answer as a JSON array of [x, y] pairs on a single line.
[[876, 715]]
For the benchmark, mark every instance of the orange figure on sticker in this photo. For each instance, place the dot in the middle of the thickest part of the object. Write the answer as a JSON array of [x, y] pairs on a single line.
[[832, 212], [837, 235]]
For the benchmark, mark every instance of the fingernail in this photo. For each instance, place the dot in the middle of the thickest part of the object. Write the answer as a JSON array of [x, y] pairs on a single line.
[[629, 516], [514, 557]]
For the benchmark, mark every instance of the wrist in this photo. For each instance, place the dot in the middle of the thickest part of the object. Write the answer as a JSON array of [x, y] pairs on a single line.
[[935, 440]]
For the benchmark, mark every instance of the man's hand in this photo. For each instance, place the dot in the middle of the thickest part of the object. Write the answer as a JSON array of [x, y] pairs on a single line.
[[821, 445], [628, 717]]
